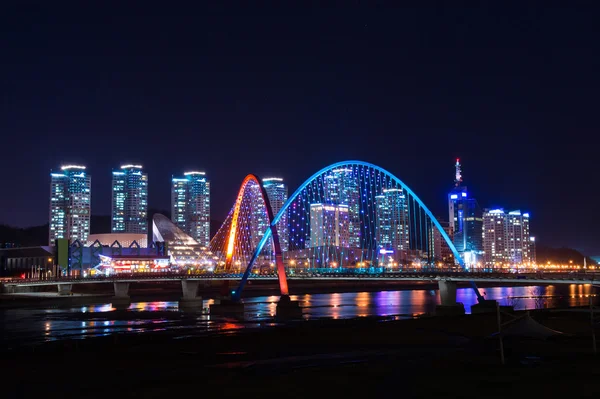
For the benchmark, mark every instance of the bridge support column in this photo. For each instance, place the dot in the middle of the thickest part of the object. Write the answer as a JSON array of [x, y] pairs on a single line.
[[64, 289], [121, 298], [288, 309], [121, 290], [190, 299], [449, 306]]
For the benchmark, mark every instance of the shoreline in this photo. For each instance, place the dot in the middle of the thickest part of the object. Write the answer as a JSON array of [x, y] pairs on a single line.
[[375, 355], [91, 294]]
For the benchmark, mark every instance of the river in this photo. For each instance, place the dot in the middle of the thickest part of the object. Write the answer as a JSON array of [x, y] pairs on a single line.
[[25, 326]]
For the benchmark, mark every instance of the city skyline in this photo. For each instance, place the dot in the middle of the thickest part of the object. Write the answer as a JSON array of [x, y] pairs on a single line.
[[406, 90], [194, 188]]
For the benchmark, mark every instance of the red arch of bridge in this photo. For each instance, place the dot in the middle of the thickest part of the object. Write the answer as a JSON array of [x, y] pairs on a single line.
[[283, 285]]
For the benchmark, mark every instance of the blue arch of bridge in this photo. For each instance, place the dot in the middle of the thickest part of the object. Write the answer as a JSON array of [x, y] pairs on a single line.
[[237, 294]]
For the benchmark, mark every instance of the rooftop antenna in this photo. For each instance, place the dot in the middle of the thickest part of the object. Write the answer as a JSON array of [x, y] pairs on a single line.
[[458, 176]]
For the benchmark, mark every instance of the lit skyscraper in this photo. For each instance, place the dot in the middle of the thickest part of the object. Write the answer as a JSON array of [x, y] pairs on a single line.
[[465, 217], [329, 225], [517, 237], [129, 200], [190, 205], [70, 204], [506, 238], [277, 192], [341, 187], [494, 239], [259, 221], [392, 220]]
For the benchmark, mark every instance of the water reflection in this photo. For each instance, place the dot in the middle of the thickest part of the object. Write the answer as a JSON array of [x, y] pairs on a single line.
[[29, 325]]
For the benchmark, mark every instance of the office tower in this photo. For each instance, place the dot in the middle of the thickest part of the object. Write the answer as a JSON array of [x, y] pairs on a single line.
[[494, 238], [129, 200], [517, 238], [391, 220], [341, 187], [190, 205], [465, 218], [70, 204], [277, 192], [329, 225]]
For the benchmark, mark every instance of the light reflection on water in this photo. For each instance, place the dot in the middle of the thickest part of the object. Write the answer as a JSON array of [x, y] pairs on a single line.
[[104, 319]]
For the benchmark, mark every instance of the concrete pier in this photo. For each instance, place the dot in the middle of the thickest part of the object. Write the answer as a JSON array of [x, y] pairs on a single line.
[[190, 288], [449, 306], [64, 289], [121, 299], [190, 301], [121, 290], [288, 309], [227, 307]]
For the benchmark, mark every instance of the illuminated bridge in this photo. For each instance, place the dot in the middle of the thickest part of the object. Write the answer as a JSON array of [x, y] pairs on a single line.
[[351, 220], [349, 215]]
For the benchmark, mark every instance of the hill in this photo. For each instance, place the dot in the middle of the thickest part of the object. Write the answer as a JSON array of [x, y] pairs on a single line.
[[561, 255], [38, 235]]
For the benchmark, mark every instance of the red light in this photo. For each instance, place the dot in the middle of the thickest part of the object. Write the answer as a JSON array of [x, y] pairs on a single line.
[[457, 160], [23, 275]]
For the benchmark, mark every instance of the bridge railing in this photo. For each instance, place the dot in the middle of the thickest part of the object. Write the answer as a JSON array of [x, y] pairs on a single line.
[[315, 273]]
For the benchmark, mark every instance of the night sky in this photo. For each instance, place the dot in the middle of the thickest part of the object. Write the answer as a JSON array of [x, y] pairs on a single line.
[[511, 89]]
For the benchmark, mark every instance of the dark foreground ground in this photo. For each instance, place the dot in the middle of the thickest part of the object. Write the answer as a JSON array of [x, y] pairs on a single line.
[[428, 357]]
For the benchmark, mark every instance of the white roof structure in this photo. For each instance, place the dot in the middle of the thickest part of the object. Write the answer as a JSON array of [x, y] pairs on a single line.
[[165, 230]]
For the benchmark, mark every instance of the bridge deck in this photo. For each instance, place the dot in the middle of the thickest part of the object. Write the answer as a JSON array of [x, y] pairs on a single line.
[[550, 278]]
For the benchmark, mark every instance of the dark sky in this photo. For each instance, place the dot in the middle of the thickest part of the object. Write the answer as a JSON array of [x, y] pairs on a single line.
[[511, 88]]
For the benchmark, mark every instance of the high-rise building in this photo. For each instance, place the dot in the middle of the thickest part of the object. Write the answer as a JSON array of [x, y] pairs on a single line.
[[532, 252], [329, 225], [465, 216], [517, 237], [259, 220], [391, 220], [129, 200], [494, 239], [70, 204], [190, 205], [341, 187], [439, 251], [506, 238], [277, 192]]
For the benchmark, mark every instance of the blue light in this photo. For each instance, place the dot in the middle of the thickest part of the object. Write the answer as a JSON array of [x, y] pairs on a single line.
[[464, 194], [526, 215], [453, 196]]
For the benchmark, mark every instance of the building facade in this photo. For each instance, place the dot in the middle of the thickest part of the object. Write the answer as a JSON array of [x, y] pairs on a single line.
[[517, 238], [70, 204], [466, 220], [391, 220], [506, 238], [129, 200], [341, 187], [277, 192], [494, 240], [190, 205], [329, 225], [439, 251]]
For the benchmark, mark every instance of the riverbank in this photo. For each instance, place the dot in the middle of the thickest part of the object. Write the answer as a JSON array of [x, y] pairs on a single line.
[[412, 358], [93, 294]]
